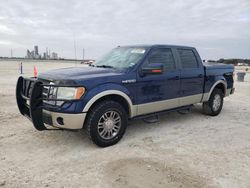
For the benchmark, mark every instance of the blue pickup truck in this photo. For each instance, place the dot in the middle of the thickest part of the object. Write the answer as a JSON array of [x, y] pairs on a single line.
[[129, 82]]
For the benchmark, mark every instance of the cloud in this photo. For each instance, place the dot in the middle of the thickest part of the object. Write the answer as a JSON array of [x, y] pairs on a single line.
[[6, 30], [216, 28]]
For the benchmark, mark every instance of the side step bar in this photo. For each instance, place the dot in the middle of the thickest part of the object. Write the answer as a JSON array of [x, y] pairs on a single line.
[[156, 114]]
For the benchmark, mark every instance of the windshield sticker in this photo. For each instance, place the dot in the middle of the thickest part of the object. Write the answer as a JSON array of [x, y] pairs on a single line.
[[138, 51], [131, 64]]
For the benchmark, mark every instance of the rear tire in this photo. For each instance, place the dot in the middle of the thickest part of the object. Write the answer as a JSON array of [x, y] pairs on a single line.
[[106, 123], [215, 103]]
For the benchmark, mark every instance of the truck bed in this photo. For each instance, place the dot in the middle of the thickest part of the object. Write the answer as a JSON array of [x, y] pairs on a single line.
[[217, 68], [210, 65]]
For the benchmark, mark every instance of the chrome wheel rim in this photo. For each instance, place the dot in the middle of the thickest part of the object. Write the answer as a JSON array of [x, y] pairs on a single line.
[[109, 125], [216, 102]]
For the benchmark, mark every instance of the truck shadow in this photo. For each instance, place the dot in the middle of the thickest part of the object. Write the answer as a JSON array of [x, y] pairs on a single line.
[[136, 128], [169, 120]]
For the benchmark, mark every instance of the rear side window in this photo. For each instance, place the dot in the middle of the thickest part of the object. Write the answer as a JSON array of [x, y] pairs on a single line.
[[188, 59], [164, 56]]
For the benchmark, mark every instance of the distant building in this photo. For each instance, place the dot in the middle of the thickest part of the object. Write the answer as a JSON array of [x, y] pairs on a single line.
[[34, 54], [28, 54], [54, 55], [36, 50]]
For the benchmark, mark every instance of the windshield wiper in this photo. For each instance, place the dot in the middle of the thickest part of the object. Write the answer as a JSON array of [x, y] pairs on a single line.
[[104, 66]]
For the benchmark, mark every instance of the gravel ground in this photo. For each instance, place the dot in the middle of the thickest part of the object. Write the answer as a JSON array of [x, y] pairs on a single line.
[[191, 150]]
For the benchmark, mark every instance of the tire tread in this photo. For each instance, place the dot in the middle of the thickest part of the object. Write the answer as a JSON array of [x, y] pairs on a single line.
[[207, 106], [93, 112]]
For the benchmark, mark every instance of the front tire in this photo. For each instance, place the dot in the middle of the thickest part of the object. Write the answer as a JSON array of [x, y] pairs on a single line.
[[106, 123], [215, 103]]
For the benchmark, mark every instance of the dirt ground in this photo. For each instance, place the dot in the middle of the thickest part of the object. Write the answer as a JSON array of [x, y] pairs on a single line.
[[191, 150]]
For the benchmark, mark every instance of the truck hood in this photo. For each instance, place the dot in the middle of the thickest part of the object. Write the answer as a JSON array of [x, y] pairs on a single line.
[[77, 74]]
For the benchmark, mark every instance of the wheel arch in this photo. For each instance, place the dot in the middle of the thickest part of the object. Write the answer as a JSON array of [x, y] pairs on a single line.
[[221, 84], [114, 95]]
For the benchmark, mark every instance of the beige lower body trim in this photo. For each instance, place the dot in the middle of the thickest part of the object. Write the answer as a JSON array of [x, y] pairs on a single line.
[[71, 121], [205, 97], [167, 104], [192, 99], [157, 106]]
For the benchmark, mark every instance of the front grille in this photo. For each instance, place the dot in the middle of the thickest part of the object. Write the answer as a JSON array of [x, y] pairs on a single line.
[[48, 95]]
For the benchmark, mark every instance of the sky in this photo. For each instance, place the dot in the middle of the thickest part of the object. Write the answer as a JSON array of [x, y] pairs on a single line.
[[217, 28]]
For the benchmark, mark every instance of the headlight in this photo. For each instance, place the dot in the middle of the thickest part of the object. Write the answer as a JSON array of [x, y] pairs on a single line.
[[70, 92]]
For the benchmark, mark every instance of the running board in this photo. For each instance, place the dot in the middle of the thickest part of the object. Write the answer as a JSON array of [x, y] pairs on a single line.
[[148, 116]]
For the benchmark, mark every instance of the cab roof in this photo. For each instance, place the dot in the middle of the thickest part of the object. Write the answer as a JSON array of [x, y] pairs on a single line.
[[157, 45]]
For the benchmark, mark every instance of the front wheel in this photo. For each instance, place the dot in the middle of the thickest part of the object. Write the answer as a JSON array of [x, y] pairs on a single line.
[[215, 103], [106, 123]]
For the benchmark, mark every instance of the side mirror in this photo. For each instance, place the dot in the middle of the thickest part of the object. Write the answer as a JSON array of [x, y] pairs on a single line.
[[154, 68]]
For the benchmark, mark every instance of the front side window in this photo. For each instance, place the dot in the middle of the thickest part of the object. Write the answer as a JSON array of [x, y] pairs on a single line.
[[163, 56], [122, 58], [188, 59]]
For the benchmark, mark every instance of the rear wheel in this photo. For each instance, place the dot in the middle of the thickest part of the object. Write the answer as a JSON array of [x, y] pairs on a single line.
[[215, 103], [106, 123]]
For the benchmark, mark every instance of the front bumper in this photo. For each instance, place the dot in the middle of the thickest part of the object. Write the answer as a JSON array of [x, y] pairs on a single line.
[[63, 120], [30, 103]]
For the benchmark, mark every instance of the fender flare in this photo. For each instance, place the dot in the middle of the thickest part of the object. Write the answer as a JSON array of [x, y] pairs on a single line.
[[132, 108], [207, 95]]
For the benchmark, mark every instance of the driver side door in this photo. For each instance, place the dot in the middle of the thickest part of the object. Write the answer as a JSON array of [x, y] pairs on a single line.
[[157, 92]]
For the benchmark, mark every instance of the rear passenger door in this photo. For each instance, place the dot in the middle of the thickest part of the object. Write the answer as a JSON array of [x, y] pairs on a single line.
[[191, 76]]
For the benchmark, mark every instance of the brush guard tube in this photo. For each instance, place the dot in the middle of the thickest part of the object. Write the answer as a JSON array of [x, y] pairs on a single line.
[[28, 96], [36, 111]]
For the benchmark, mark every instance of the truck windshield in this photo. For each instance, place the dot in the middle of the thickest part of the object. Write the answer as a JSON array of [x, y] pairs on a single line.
[[121, 58]]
